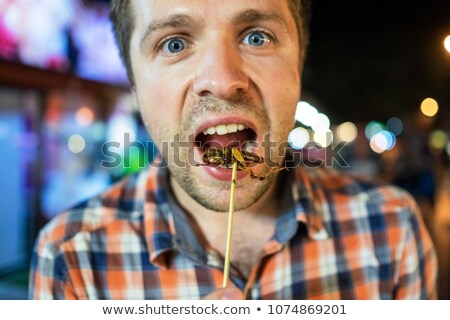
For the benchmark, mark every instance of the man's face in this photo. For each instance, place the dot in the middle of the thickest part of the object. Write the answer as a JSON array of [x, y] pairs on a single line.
[[222, 72]]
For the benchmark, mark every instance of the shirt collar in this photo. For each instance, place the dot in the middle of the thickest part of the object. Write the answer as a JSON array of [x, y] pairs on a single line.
[[311, 206]]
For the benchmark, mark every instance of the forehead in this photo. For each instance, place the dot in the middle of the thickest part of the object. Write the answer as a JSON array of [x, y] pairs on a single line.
[[208, 11]]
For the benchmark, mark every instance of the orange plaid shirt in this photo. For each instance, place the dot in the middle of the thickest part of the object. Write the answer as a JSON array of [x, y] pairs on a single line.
[[337, 237]]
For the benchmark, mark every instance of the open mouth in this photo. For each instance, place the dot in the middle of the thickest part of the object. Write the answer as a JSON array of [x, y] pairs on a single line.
[[221, 136], [214, 137]]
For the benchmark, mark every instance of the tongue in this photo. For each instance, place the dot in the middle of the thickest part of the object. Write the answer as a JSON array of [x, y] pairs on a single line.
[[236, 139]]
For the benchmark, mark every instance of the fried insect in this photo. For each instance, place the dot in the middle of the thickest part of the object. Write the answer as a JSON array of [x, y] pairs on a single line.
[[225, 157]]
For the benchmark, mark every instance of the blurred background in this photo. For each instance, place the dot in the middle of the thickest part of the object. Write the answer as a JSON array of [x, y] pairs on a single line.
[[376, 95]]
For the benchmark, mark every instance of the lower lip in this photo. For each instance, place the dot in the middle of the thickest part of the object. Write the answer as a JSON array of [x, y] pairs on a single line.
[[224, 174]]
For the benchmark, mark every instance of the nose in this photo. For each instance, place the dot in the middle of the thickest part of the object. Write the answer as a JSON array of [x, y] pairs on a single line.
[[220, 72]]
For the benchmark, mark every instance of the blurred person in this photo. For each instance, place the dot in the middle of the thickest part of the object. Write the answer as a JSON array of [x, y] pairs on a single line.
[[413, 171], [213, 73]]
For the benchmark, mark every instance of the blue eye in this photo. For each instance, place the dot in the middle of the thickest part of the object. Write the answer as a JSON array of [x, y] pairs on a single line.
[[175, 45], [256, 38]]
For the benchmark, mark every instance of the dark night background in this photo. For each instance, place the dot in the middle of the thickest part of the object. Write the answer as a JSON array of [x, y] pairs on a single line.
[[370, 60]]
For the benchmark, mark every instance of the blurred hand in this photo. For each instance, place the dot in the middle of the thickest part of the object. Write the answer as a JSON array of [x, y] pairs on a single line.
[[224, 294]]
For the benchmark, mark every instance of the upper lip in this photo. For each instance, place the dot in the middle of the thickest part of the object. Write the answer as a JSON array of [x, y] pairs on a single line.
[[226, 120]]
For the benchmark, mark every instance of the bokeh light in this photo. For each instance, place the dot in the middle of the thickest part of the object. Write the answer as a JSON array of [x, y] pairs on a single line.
[[298, 138], [447, 43], [306, 114], [347, 132], [438, 139], [372, 128], [84, 116], [323, 138], [383, 141], [76, 143], [121, 129], [322, 123], [391, 139], [375, 144], [395, 125], [429, 107]]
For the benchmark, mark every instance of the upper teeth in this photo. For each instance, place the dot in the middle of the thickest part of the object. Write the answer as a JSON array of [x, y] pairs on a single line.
[[224, 129]]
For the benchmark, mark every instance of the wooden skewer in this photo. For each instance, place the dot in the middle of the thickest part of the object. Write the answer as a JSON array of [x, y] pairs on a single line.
[[230, 226]]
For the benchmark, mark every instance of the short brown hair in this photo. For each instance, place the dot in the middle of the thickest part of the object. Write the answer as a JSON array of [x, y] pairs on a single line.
[[122, 19]]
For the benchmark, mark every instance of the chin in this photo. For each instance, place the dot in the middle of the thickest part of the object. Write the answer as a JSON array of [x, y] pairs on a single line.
[[218, 200]]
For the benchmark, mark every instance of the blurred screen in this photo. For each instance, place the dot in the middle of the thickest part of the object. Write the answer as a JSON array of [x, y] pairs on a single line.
[[63, 35]]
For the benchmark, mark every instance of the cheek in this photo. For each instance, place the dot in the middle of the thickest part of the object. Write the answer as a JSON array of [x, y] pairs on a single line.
[[282, 95], [159, 103]]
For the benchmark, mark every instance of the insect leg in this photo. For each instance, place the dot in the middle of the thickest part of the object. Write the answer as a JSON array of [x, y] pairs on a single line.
[[272, 170]]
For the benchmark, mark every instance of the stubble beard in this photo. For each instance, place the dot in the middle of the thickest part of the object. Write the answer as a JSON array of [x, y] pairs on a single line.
[[215, 196], [212, 194]]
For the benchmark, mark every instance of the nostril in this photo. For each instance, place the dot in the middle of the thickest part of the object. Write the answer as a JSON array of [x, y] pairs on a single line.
[[205, 93], [240, 91], [230, 93]]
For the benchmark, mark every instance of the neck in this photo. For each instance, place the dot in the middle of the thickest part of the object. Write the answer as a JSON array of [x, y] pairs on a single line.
[[252, 227]]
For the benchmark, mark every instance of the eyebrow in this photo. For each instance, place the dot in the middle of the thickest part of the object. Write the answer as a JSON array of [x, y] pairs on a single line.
[[252, 16], [185, 21], [172, 21]]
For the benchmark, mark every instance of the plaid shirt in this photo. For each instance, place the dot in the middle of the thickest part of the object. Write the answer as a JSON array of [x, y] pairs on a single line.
[[337, 237]]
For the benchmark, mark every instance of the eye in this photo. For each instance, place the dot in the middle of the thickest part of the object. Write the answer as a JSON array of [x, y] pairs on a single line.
[[257, 38], [174, 45]]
